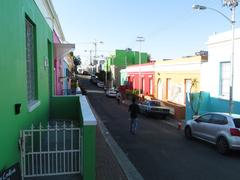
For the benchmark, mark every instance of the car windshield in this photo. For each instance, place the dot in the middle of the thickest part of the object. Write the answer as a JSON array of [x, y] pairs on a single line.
[[155, 103], [237, 122]]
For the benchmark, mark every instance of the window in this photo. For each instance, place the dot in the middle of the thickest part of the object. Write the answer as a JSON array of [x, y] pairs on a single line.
[[224, 78], [31, 62], [151, 86], [205, 118], [236, 122], [218, 119]]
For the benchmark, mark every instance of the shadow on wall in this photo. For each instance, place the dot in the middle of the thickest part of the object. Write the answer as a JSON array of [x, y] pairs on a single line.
[[197, 104]]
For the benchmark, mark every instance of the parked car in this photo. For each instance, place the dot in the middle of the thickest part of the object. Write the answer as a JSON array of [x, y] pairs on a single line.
[[86, 73], [94, 79], [153, 107], [111, 92], [221, 129], [100, 84]]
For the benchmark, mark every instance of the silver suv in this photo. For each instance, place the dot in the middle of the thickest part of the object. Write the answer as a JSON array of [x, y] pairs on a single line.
[[221, 129]]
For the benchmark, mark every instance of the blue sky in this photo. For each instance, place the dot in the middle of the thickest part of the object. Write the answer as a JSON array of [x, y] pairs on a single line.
[[171, 28]]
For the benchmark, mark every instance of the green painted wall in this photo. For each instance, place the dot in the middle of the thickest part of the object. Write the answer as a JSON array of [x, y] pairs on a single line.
[[13, 74], [65, 107], [125, 58], [89, 152]]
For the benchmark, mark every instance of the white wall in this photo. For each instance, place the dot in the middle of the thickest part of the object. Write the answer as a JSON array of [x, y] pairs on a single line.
[[220, 50], [50, 15]]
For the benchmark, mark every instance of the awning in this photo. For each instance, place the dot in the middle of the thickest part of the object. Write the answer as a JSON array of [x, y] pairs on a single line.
[[63, 49]]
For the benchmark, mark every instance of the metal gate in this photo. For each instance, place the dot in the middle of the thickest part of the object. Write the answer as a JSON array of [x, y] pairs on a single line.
[[54, 150]]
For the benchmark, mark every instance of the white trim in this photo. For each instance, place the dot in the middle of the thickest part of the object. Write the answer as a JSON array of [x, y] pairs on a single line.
[[63, 49], [33, 106], [47, 9], [87, 114]]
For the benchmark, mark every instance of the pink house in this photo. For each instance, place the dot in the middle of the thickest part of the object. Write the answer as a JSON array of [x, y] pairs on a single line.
[[57, 67], [60, 52]]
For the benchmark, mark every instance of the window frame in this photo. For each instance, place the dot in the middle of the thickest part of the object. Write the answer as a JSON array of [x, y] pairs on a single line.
[[31, 64], [218, 121], [221, 79]]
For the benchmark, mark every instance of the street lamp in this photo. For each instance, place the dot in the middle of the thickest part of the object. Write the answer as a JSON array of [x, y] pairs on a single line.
[[140, 39], [232, 4]]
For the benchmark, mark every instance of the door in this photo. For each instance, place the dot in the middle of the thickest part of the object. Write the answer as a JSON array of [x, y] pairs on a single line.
[[215, 125], [199, 126], [160, 88]]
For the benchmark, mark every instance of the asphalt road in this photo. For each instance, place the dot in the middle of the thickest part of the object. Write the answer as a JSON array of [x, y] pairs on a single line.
[[158, 150]]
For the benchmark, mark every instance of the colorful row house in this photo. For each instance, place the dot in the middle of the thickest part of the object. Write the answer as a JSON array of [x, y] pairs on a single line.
[[141, 78], [62, 61], [121, 60], [167, 80], [30, 36], [216, 76]]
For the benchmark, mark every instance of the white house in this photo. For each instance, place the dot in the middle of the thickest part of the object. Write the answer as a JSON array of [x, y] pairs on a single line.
[[215, 75]]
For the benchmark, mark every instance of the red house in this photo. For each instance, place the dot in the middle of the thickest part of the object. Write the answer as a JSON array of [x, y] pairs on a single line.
[[141, 77]]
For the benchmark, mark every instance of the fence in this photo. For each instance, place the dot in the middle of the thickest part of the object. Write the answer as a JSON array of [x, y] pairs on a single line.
[[54, 150]]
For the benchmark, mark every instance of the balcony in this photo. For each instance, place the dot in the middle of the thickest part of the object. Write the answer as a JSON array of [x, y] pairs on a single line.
[[66, 145]]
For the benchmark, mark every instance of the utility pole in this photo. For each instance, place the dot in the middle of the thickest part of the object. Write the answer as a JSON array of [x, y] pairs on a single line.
[[232, 4], [140, 39]]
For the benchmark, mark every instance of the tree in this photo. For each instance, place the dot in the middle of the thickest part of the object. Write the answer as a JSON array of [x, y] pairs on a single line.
[[195, 100]]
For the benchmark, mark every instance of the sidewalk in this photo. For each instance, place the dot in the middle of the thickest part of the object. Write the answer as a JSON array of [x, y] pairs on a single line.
[[107, 167]]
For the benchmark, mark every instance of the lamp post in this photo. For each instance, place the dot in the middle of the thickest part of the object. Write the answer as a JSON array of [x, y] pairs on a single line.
[[232, 4], [140, 39]]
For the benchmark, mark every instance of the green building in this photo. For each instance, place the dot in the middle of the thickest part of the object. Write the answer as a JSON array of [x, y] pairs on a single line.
[[26, 42], [121, 60], [26, 74]]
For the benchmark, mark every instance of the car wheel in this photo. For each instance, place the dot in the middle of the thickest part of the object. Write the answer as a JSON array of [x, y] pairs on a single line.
[[222, 145], [188, 132]]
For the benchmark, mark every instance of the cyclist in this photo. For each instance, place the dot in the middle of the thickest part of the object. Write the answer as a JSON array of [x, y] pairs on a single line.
[[134, 110]]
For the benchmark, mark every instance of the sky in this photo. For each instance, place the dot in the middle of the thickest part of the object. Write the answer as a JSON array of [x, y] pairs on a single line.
[[171, 29]]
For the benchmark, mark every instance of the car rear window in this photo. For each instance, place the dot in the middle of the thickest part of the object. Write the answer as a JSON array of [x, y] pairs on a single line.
[[237, 122], [154, 103]]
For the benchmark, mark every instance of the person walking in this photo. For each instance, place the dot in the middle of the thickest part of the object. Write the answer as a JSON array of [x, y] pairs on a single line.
[[134, 110]]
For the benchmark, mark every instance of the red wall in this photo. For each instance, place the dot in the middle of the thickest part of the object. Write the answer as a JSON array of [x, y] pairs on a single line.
[[133, 79]]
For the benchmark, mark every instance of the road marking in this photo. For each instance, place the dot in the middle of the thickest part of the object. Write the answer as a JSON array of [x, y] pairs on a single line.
[[95, 91]]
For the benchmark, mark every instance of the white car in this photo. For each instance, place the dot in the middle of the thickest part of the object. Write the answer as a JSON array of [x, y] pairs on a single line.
[[111, 93], [153, 107], [221, 129], [100, 84]]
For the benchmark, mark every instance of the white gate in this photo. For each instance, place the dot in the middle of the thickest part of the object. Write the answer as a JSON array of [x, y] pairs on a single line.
[[54, 150]]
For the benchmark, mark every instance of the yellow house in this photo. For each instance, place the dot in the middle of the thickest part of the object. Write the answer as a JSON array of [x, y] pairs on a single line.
[[175, 77]]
